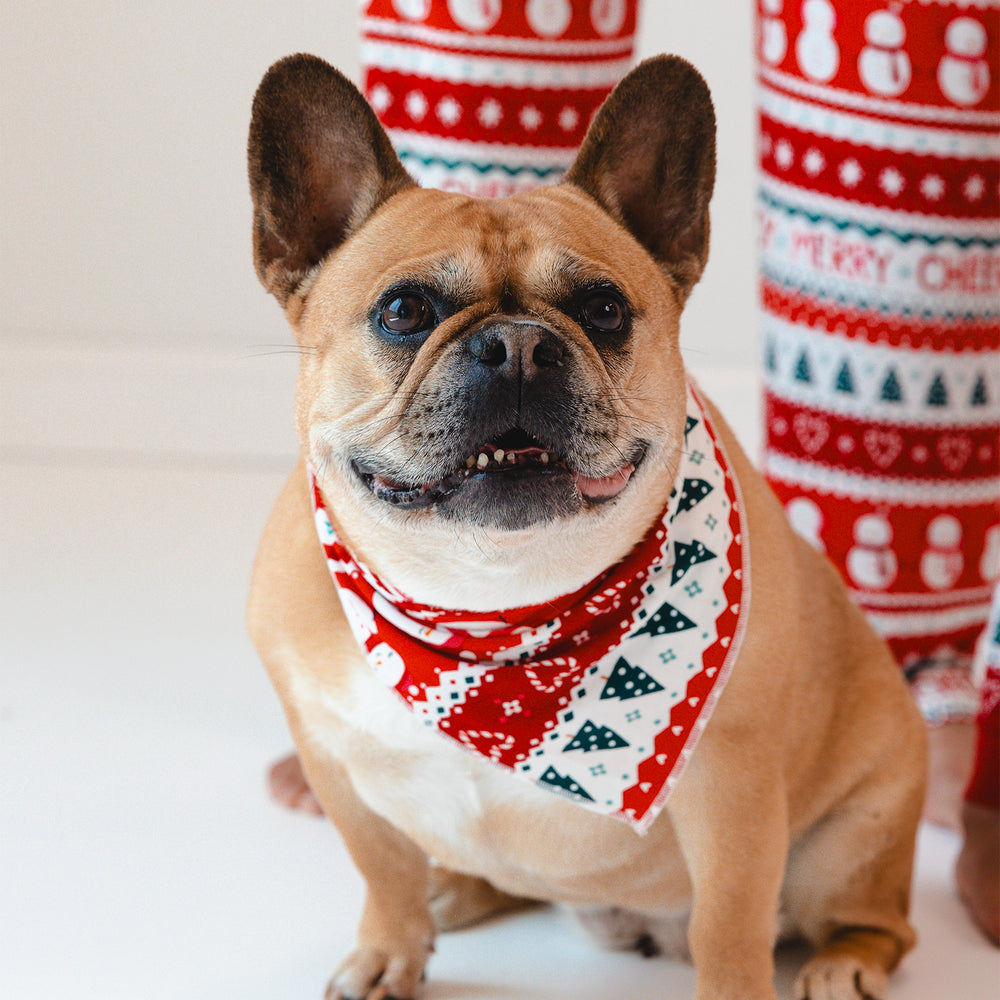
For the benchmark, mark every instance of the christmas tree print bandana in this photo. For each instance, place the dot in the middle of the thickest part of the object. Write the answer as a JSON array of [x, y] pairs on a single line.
[[601, 695]]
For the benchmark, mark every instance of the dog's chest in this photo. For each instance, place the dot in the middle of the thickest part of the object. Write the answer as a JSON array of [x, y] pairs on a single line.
[[437, 792]]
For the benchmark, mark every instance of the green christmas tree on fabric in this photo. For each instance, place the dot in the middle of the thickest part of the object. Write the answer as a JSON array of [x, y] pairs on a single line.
[[845, 381], [891, 389], [629, 681], [667, 620], [937, 394], [692, 493], [591, 737], [565, 783], [803, 373], [686, 556]]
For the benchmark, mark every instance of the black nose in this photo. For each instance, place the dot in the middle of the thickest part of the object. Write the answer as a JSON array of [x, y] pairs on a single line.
[[516, 348]]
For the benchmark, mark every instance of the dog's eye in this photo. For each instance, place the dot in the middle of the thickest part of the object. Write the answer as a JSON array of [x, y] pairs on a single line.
[[603, 311], [407, 313]]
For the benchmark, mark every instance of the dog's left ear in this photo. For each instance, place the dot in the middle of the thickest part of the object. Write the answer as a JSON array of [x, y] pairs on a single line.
[[649, 160], [320, 163]]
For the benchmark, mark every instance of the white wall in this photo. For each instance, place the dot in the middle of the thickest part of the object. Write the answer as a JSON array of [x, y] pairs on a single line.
[[720, 327], [123, 196], [126, 217]]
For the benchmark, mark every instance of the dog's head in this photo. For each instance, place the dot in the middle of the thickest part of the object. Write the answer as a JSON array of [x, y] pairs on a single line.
[[495, 375]]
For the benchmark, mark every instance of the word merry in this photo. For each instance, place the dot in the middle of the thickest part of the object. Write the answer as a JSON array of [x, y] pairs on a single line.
[[853, 259]]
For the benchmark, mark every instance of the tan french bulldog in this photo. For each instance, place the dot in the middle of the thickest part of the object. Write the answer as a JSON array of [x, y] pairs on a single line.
[[494, 414]]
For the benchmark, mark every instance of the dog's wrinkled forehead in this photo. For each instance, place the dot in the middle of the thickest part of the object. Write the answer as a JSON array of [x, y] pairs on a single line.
[[516, 252], [322, 169]]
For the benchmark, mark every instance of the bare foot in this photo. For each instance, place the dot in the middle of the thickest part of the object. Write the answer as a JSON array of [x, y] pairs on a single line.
[[288, 786], [951, 750], [977, 871]]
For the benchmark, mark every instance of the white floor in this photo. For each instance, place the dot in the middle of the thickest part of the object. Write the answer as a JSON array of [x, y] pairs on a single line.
[[140, 857]]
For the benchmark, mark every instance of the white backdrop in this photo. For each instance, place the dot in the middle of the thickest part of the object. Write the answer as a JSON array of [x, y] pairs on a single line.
[[126, 217]]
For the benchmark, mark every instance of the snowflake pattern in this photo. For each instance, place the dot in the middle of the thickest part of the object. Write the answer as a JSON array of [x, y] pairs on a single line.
[[850, 173], [892, 182], [380, 98], [784, 154], [416, 105], [449, 111], [490, 113], [932, 187], [813, 163], [530, 118], [974, 187], [490, 98], [886, 259], [569, 118]]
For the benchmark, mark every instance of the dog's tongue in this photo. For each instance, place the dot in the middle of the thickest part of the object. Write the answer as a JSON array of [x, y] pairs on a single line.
[[606, 488]]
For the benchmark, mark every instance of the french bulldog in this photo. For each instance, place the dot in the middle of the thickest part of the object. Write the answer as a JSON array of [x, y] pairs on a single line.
[[471, 596]]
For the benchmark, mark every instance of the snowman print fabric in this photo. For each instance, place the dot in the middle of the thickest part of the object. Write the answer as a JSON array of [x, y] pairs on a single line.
[[879, 234]]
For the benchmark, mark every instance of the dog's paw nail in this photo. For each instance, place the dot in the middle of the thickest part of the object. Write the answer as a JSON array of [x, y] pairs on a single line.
[[647, 947]]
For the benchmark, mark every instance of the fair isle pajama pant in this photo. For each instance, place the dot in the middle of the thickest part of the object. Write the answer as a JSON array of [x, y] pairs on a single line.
[[880, 294], [880, 271]]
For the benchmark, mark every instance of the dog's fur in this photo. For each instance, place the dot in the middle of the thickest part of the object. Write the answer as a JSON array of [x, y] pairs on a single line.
[[800, 804]]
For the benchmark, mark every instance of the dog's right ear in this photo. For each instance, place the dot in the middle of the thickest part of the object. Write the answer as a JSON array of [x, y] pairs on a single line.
[[320, 163]]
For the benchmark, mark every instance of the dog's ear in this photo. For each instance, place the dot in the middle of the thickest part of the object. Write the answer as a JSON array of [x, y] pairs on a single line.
[[649, 160], [320, 163]]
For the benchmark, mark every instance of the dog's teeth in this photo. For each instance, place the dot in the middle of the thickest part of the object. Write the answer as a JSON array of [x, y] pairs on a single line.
[[498, 455], [511, 457], [544, 457], [483, 460], [470, 462]]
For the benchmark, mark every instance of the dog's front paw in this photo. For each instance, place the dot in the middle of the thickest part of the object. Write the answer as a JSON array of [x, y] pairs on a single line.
[[839, 977], [374, 974]]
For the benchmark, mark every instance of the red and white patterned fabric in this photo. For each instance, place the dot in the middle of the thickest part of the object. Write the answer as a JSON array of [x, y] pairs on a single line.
[[984, 782], [880, 289], [600, 695], [491, 97]]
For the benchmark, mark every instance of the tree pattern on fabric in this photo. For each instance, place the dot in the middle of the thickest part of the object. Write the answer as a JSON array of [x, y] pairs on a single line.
[[619, 678], [879, 209]]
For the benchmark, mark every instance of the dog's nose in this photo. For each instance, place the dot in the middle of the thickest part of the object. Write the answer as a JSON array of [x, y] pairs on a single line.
[[516, 348]]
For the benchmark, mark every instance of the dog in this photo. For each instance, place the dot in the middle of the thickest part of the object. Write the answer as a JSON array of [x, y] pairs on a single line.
[[526, 594]]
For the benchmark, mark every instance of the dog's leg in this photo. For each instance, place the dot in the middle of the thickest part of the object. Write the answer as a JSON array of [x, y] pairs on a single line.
[[396, 931], [303, 639], [458, 900], [848, 889], [850, 967], [734, 839]]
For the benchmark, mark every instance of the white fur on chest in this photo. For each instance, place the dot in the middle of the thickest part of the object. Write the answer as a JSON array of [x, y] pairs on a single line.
[[476, 817], [402, 768]]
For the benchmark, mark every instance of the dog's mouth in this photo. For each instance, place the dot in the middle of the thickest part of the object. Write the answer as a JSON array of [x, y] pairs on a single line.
[[515, 456]]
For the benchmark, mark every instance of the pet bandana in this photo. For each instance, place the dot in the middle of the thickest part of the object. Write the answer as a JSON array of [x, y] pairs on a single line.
[[602, 694]]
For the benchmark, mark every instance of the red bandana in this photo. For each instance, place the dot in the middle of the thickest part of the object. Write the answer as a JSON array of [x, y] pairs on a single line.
[[602, 694]]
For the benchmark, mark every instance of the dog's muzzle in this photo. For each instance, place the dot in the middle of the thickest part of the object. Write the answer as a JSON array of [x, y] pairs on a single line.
[[518, 435]]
